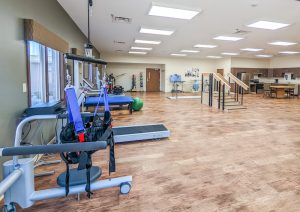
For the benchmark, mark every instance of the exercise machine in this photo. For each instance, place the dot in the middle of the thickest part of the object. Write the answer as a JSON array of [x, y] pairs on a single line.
[[18, 184]]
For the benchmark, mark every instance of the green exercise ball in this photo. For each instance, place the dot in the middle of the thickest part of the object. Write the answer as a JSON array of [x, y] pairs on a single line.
[[137, 104]]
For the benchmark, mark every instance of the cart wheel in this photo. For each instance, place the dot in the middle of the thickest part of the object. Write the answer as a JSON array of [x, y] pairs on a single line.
[[125, 188], [9, 208]]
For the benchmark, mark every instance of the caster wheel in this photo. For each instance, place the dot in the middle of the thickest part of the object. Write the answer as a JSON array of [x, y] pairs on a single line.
[[9, 208], [125, 188]]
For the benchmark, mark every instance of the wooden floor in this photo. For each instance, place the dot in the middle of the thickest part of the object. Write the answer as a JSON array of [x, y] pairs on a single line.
[[214, 161]]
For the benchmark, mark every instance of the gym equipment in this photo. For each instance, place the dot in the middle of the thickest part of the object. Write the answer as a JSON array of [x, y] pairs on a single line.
[[18, 184], [118, 90], [141, 81], [140, 133], [137, 104], [133, 84], [196, 86], [112, 101]]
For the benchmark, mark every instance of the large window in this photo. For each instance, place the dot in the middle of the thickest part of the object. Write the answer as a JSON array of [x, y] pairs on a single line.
[[44, 71]]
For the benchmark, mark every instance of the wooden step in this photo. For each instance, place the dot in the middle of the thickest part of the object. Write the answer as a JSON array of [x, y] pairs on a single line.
[[240, 107]]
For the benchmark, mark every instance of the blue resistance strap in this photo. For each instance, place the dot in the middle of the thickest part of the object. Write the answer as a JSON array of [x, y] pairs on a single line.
[[105, 100], [74, 110]]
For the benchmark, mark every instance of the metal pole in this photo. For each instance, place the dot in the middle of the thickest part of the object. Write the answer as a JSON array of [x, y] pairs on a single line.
[[235, 91], [202, 80], [223, 104], [242, 100], [219, 100], [10, 180], [237, 96]]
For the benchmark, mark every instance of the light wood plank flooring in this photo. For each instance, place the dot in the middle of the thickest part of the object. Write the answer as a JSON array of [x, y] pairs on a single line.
[[214, 161]]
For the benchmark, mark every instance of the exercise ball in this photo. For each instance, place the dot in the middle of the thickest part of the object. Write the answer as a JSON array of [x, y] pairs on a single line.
[[137, 104]]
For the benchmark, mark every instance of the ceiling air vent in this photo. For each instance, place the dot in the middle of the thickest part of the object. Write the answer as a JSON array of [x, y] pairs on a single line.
[[119, 19], [119, 42], [240, 32]]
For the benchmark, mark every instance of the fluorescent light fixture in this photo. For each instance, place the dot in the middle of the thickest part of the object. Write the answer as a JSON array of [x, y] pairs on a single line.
[[205, 46], [230, 53], [132, 52], [148, 42], [214, 57], [156, 31], [264, 55], [172, 12], [268, 25], [190, 51], [228, 38], [179, 55], [282, 43], [289, 52], [141, 48], [251, 50]]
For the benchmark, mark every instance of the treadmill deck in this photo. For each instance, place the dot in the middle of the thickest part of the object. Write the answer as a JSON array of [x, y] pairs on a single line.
[[140, 132]]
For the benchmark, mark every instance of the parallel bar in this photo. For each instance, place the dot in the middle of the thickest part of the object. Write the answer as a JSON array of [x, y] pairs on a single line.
[[10, 180]]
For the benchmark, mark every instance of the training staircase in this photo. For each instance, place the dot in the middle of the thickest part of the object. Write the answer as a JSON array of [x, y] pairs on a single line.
[[216, 92]]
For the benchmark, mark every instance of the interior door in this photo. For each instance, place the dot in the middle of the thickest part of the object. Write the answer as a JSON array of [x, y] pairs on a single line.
[[152, 80], [220, 71]]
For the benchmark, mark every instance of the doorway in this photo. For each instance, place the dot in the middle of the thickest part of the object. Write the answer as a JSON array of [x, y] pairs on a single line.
[[152, 80], [220, 71]]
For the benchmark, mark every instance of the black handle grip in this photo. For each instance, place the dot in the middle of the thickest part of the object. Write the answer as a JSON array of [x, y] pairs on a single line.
[[53, 148]]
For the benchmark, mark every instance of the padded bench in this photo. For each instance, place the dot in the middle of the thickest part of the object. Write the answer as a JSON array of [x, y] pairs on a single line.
[[92, 101]]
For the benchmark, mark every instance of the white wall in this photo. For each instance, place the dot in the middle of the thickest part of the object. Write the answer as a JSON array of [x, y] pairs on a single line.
[[292, 61], [224, 64], [172, 65], [249, 63], [130, 69]]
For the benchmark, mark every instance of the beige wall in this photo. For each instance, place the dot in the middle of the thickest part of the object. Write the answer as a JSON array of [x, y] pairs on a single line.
[[292, 61], [249, 63], [130, 69], [13, 56], [172, 65]]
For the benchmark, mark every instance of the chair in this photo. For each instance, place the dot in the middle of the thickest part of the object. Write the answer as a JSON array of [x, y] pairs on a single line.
[[267, 90], [290, 91]]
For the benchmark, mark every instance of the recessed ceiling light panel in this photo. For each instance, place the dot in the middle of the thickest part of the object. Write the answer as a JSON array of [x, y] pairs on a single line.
[[205, 46], [133, 52], [170, 12], [190, 51], [289, 52], [264, 55], [148, 42], [228, 38], [179, 55], [268, 25], [282, 43], [156, 31], [251, 50], [214, 57], [230, 53], [141, 48]]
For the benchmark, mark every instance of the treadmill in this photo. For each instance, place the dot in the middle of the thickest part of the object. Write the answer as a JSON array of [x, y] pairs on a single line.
[[126, 134]]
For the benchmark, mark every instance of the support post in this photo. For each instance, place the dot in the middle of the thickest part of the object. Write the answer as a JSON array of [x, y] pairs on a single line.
[[242, 99], [202, 87], [223, 103], [219, 99]]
